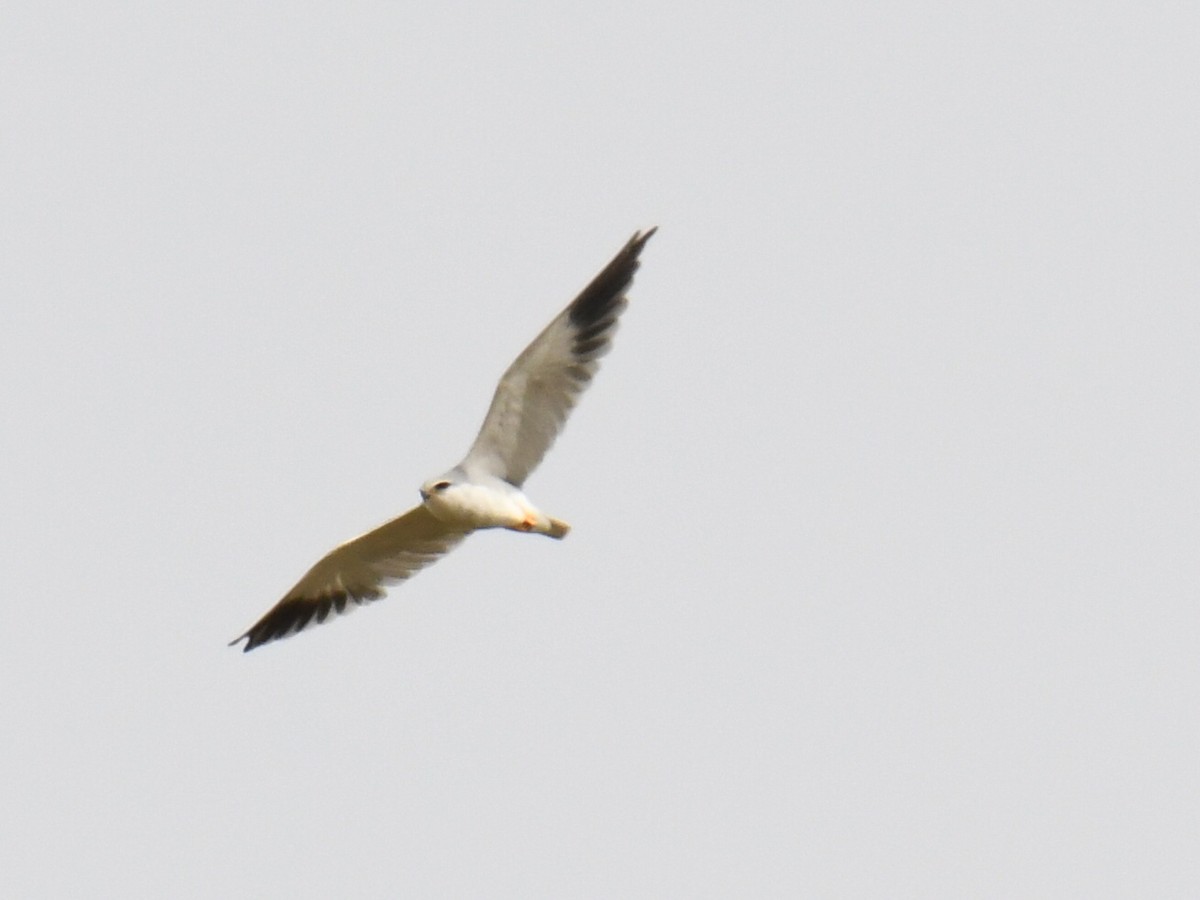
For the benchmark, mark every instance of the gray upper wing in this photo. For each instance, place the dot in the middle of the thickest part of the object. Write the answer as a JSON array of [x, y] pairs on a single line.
[[355, 573], [541, 387]]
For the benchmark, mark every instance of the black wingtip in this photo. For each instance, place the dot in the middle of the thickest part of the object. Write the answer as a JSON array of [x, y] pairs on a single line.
[[248, 638], [633, 248], [640, 237], [292, 615], [270, 627], [604, 292]]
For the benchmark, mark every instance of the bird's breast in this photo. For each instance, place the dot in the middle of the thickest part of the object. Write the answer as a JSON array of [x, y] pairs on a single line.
[[471, 506]]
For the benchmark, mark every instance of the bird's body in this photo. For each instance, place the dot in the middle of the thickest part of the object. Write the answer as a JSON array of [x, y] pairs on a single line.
[[528, 410], [487, 502]]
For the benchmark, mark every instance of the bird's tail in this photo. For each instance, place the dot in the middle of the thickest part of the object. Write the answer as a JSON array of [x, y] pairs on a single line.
[[558, 529]]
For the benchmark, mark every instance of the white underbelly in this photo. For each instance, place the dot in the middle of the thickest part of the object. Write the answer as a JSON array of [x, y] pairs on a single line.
[[475, 506]]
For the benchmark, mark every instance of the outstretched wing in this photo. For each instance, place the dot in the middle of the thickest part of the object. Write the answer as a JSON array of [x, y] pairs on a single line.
[[542, 386], [356, 573]]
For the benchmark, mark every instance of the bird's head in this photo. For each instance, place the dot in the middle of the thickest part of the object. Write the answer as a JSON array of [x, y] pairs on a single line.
[[434, 487]]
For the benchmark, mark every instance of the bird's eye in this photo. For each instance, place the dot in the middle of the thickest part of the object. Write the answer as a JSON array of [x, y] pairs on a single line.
[[441, 485]]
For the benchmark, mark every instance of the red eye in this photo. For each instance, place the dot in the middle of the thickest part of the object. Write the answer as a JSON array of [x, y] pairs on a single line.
[[441, 485]]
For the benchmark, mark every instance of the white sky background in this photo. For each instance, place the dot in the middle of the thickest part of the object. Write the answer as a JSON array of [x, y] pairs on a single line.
[[883, 575]]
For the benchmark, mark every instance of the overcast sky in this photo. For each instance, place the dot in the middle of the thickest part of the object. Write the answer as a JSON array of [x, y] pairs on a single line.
[[883, 579]]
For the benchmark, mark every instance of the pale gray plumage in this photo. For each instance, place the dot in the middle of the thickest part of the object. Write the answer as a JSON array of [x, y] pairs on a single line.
[[527, 413], [544, 383]]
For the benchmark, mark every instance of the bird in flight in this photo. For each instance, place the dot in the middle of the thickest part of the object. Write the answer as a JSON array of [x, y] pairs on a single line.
[[528, 411]]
